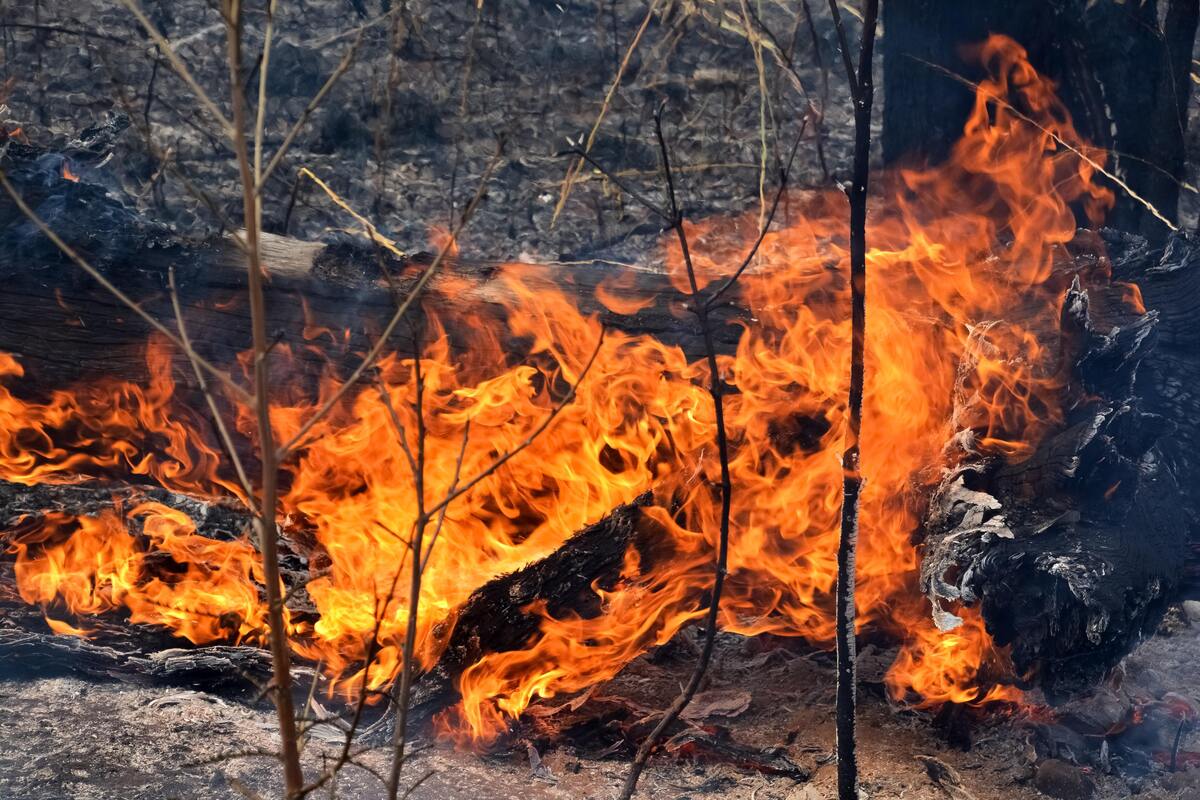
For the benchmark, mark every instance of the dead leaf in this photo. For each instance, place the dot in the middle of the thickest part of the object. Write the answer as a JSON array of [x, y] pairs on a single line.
[[717, 703]]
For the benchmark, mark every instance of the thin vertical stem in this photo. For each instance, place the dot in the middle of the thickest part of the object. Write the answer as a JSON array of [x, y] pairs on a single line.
[[715, 388], [862, 93], [401, 692], [281, 681]]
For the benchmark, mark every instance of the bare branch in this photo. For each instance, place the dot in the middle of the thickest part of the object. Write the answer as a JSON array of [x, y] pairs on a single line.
[[375, 351], [1091, 162], [281, 680], [462, 452], [716, 391], [312, 106], [622, 185], [260, 110], [762, 233], [502, 460], [573, 170], [844, 47]]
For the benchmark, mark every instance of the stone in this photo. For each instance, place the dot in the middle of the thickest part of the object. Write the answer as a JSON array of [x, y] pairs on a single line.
[[1063, 780], [1191, 610]]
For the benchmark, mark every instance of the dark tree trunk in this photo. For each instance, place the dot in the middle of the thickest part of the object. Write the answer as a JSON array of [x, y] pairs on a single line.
[[1122, 68]]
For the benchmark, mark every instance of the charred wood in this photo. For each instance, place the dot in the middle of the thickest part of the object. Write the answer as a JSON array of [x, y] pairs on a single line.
[[1073, 552], [495, 618]]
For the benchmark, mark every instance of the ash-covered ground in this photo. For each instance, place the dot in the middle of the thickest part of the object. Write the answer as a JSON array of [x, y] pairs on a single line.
[[462, 79], [65, 738]]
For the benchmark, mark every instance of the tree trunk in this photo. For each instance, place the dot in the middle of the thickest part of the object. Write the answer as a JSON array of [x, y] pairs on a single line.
[[1124, 75]]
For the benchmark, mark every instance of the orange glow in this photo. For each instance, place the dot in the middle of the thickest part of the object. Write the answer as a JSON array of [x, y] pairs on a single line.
[[67, 173], [953, 250]]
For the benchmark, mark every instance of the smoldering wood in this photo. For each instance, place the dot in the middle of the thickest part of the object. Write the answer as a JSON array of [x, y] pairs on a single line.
[[1073, 553]]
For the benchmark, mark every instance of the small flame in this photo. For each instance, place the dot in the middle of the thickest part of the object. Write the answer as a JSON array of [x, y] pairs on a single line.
[[67, 172]]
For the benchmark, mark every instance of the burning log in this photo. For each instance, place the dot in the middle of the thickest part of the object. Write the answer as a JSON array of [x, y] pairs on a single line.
[[495, 618], [1073, 551]]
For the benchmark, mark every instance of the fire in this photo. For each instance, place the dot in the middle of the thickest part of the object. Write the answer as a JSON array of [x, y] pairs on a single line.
[[953, 250], [67, 173]]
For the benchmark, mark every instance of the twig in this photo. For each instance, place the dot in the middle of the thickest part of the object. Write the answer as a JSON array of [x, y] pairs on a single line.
[[401, 690], [180, 68], [716, 390], [260, 110], [218, 420], [369, 359], [462, 452], [844, 48], [502, 460], [766, 226], [622, 185], [373, 233], [312, 106], [573, 170], [423, 517], [1091, 162]]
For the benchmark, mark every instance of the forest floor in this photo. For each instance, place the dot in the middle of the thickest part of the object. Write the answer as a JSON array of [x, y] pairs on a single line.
[[66, 738]]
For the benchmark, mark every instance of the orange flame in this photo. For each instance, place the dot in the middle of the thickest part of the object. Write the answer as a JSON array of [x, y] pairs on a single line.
[[953, 251], [67, 173]]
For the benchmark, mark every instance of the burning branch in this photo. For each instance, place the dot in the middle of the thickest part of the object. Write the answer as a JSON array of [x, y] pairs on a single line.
[[862, 91]]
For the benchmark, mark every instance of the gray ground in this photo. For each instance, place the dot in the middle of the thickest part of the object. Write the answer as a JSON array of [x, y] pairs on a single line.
[[65, 738]]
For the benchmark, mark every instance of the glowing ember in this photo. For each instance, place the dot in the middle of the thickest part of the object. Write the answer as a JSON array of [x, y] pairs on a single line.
[[951, 253]]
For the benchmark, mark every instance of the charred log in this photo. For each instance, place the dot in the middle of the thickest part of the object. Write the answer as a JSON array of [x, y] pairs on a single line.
[[1073, 552], [495, 618], [1169, 280], [63, 326]]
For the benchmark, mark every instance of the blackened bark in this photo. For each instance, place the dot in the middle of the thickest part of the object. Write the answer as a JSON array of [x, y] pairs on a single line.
[[1074, 552]]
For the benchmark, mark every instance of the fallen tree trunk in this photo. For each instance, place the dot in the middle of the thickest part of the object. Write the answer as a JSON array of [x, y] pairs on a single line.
[[63, 326]]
